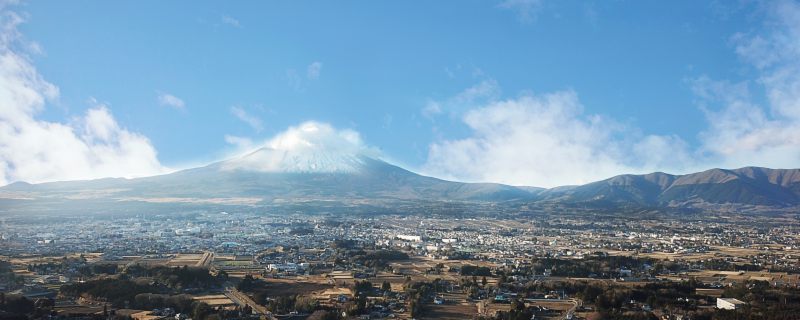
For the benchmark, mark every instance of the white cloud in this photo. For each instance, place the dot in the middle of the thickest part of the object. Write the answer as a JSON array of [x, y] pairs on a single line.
[[241, 144], [294, 79], [231, 21], [526, 10], [388, 119], [741, 132], [480, 93], [253, 121], [309, 146], [317, 135], [431, 109], [486, 89], [166, 99], [34, 150], [546, 140], [313, 70]]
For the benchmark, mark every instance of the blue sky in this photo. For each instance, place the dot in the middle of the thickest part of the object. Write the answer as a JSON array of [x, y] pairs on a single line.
[[408, 77]]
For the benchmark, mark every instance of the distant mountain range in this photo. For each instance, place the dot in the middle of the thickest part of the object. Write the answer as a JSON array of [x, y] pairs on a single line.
[[267, 177], [749, 186]]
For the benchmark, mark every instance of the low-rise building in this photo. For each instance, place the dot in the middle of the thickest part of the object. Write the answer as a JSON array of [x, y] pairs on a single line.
[[729, 303]]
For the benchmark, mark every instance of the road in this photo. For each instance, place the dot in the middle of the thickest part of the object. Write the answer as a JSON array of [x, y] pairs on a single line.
[[575, 304], [570, 312], [243, 300], [205, 260]]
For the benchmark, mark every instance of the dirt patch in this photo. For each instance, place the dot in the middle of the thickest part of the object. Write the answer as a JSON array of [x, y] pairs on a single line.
[[282, 287], [450, 311]]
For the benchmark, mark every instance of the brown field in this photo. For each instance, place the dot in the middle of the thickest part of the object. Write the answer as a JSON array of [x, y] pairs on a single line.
[[77, 309], [144, 315], [716, 293], [332, 292], [224, 258], [215, 300], [184, 260], [396, 281], [450, 311], [276, 287], [492, 308], [239, 273], [456, 307]]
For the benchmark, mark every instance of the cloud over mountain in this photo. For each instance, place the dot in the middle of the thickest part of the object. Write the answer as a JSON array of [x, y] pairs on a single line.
[[309, 147], [548, 140]]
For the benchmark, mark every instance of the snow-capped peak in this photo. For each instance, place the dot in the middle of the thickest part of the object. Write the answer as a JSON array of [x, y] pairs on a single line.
[[309, 147]]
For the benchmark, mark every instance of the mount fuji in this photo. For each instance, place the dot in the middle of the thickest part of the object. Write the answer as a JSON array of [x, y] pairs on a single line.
[[316, 165], [265, 177]]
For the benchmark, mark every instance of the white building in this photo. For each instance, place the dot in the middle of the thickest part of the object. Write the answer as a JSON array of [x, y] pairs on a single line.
[[729, 303], [409, 238], [287, 267]]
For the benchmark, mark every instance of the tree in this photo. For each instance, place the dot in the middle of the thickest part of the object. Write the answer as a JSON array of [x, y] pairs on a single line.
[[201, 311], [247, 283], [386, 286], [473, 291], [595, 316], [19, 305], [414, 308], [222, 275], [305, 304]]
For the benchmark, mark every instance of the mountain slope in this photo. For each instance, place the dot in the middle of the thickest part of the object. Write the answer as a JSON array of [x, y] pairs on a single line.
[[275, 177], [744, 186], [342, 178]]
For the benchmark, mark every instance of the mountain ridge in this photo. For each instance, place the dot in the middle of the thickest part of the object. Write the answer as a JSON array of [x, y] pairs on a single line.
[[746, 185], [372, 178], [360, 178]]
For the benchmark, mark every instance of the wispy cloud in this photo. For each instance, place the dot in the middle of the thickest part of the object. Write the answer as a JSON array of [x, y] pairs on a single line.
[[231, 21], [527, 10], [166, 99], [253, 121], [242, 144], [431, 109], [474, 96], [313, 70], [741, 131], [296, 80]]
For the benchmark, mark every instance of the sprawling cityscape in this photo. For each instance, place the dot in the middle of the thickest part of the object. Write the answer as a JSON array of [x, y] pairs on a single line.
[[240, 265]]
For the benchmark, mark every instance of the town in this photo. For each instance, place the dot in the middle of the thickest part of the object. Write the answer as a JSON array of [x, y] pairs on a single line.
[[367, 160], [250, 265]]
